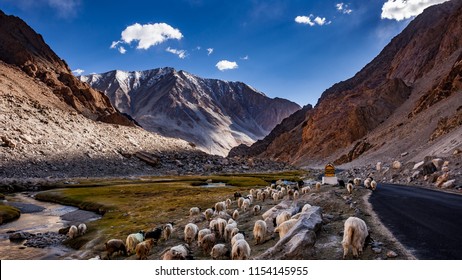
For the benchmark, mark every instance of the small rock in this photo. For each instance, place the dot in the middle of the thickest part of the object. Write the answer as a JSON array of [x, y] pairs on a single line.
[[441, 179], [404, 154], [456, 151], [448, 184], [26, 138], [417, 165], [391, 254], [378, 166], [396, 164], [376, 250]]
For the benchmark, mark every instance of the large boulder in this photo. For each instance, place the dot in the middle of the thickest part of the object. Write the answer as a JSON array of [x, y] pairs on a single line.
[[299, 242]]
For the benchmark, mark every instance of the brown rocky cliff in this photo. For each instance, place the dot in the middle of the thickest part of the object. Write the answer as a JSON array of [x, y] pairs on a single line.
[[21, 46], [348, 111]]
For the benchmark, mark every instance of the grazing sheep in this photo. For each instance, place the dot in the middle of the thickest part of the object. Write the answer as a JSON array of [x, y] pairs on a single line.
[[228, 229], [296, 216], [245, 205], [306, 207], [367, 183], [275, 196], [221, 225], [220, 251], [306, 190], [179, 252], [240, 250], [132, 240], [282, 217], [167, 231], [220, 206], [349, 188], [284, 191], [82, 229], [357, 181], [207, 243], [318, 186], [143, 248], [228, 203], [194, 211], [354, 235], [373, 185], [208, 213], [73, 232], [190, 232], [234, 232], [201, 234], [115, 246], [259, 231], [213, 225], [155, 234], [296, 195], [284, 227], [236, 214], [237, 237], [256, 210]]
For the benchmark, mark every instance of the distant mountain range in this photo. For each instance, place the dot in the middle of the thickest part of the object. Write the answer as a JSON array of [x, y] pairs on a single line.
[[215, 115], [406, 103]]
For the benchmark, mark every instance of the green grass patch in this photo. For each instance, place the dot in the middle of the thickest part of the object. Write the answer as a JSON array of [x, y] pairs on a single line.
[[8, 213], [142, 204]]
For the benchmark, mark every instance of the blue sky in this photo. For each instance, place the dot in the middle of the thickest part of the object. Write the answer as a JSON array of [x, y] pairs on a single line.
[[292, 49]]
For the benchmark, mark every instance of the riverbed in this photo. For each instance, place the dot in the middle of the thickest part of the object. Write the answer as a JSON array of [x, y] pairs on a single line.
[[39, 217]]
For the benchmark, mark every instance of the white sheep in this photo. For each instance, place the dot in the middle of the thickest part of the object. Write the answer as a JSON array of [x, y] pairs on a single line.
[[219, 251], [354, 236], [240, 250], [236, 237], [201, 234], [194, 211], [275, 196], [306, 207], [228, 203], [357, 181], [296, 195], [282, 217], [234, 232], [349, 188], [132, 240], [367, 183], [284, 191], [259, 231], [179, 252], [73, 232], [208, 213], [318, 186], [221, 225], [190, 232], [167, 231], [236, 214], [245, 205], [228, 229], [220, 206], [306, 189], [373, 185], [256, 210], [240, 200], [284, 227], [82, 229]]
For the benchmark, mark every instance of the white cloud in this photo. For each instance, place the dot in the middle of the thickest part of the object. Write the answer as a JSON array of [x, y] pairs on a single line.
[[245, 57], [122, 50], [311, 20], [209, 51], [226, 65], [181, 53], [148, 35], [78, 72], [404, 9], [343, 8]]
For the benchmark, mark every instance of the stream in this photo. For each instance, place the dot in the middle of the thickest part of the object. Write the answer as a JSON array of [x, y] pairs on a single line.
[[38, 218]]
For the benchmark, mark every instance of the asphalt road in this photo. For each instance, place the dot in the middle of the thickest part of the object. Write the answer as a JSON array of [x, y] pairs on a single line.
[[427, 222]]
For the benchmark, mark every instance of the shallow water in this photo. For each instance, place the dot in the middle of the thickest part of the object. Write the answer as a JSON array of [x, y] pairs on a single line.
[[47, 220]]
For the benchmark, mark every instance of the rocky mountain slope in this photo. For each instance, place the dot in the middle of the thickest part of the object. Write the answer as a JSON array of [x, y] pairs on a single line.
[[408, 100], [214, 115], [21, 46]]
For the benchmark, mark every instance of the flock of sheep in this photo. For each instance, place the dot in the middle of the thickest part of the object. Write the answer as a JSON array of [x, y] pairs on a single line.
[[221, 237]]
